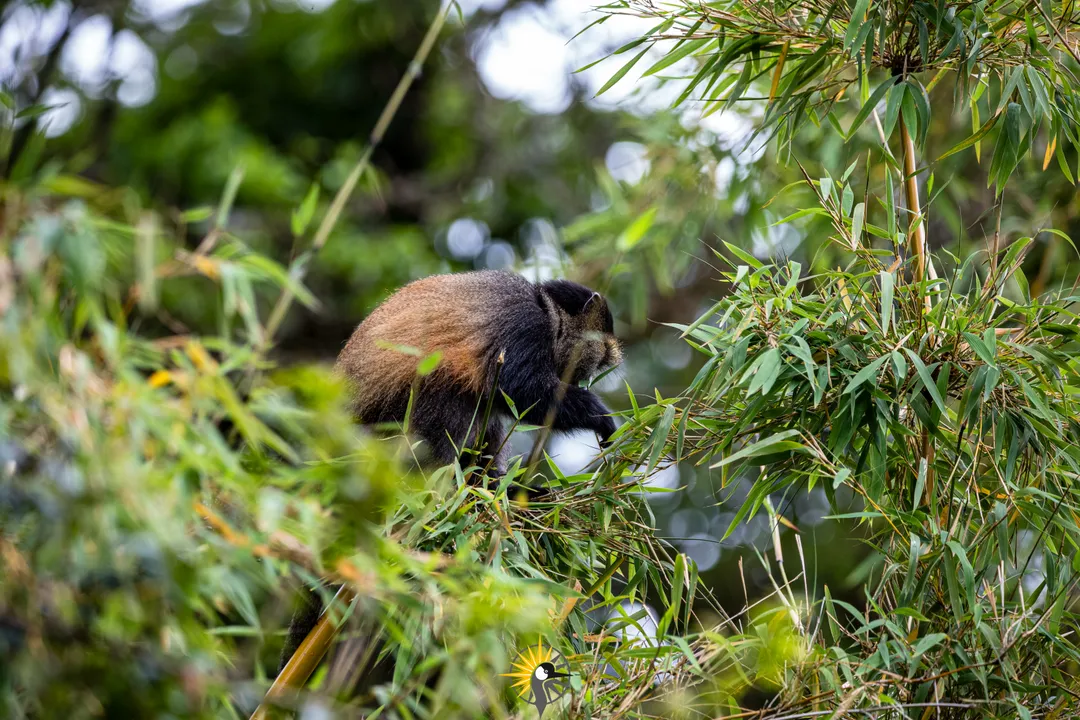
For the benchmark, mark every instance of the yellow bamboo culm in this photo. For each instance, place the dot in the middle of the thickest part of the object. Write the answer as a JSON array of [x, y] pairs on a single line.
[[917, 228], [306, 658]]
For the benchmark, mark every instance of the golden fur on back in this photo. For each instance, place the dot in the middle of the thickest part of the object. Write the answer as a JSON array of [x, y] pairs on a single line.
[[446, 313]]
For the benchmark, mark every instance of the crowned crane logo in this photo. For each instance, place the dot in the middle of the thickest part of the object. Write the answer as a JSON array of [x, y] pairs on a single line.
[[542, 676]]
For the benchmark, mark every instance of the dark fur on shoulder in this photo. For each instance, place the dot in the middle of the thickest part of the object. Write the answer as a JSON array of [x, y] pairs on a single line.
[[551, 336]]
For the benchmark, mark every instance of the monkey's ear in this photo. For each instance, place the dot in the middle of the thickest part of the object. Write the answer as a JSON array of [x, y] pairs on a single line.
[[595, 312], [598, 314]]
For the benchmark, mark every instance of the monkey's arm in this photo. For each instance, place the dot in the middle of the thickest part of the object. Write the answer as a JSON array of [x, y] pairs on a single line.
[[535, 393], [528, 377], [582, 409]]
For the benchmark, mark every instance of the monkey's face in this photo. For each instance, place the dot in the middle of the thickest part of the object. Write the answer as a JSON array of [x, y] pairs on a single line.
[[585, 344]]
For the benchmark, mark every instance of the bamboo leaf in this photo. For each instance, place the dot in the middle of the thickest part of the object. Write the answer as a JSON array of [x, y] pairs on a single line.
[[301, 217], [858, 20], [921, 101], [636, 231], [927, 381], [865, 374], [974, 138], [857, 225], [620, 73], [886, 300], [868, 107], [658, 439], [686, 48], [892, 109], [743, 255], [428, 364], [772, 444], [778, 71], [805, 212]]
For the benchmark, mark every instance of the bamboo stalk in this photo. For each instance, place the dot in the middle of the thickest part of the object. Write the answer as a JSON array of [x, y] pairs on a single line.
[[917, 244], [306, 658], [917, 228]]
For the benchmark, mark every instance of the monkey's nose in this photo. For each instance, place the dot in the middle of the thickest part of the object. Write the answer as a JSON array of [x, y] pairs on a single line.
[[612, 354]]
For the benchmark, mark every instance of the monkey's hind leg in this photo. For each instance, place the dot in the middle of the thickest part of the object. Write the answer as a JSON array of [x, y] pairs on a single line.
[[445, 417], [303, 622], [497, 448]]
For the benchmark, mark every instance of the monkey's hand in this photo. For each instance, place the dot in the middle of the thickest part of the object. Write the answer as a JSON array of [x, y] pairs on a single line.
[[605, 428]]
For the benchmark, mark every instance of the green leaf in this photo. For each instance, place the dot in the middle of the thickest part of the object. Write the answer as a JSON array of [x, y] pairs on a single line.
[[927, 643], [805, 212], [427, 366], [228, 197], [1007, 148], [924, 40], [969, 572], [850, 169], [659, 437], [886, 300], [743, 255], [921, 101], [637, 230], [826, 186], [765, 370], [920, 484], [676, 55], [1013, 256], [678, 584], [858, 20], [33, 111], [964, 144], [301, 217], [899, 365], [772, 444], [1063, 236], [909, 114], [911, 613], [865, 374], [927, 381], [892, 109], [857, 218], [196, 215], [620, 73], [980, 348], [1042, 100], [868, 107]]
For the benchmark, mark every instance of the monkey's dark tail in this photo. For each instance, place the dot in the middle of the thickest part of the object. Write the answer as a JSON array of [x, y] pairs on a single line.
[[303, 622]]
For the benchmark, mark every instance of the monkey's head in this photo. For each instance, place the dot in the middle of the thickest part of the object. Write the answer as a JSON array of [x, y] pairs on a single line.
[[584, 334]]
